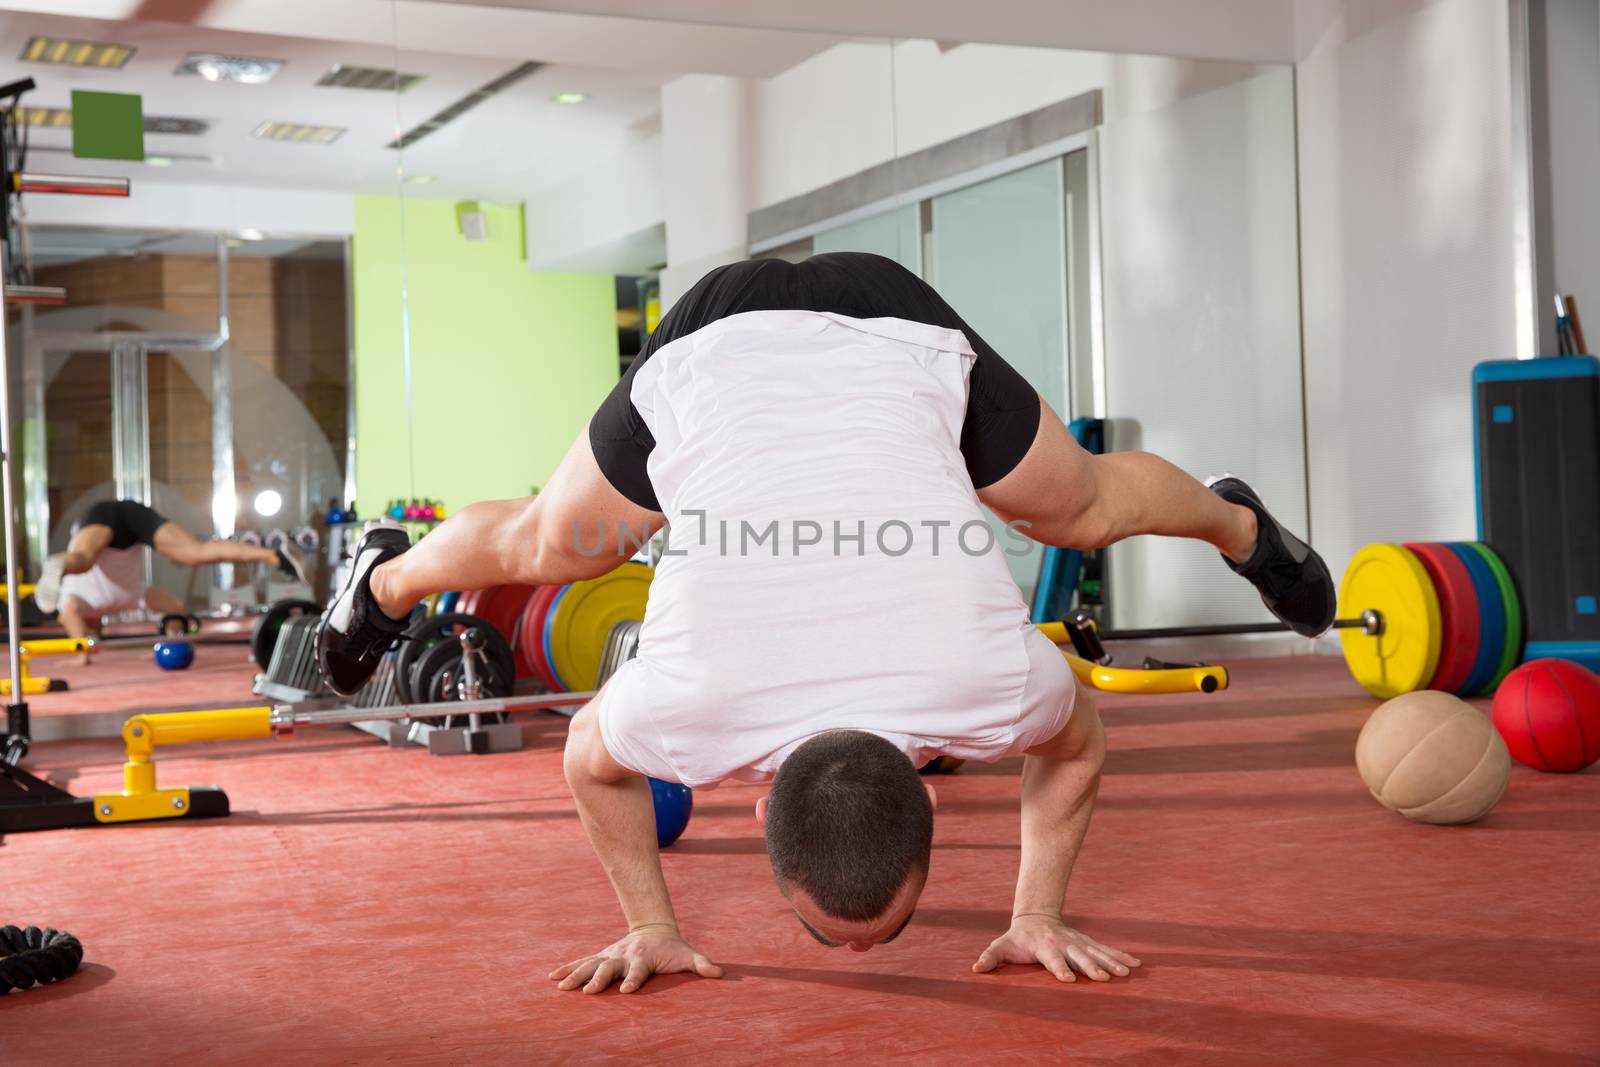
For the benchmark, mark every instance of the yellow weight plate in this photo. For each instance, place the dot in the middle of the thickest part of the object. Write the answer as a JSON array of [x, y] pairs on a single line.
[[585, 615], [1390, 580]]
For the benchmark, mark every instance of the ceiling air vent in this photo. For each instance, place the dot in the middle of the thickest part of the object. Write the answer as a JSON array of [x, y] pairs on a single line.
[[465, 104], [298, 132], [346, 76], [174, 126]]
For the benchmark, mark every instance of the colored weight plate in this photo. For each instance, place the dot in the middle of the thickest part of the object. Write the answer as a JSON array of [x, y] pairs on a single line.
[[468, 602], [1388, 579], [580, 620], [1458, 611], [502, 605], [447, 602], [1492, 612], [556, 681], [530, 633], [1512, 654]]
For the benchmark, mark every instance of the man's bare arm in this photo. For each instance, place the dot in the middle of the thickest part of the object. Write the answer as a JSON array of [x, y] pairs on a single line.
[[1059, 781], [619, 817], [578, 527]]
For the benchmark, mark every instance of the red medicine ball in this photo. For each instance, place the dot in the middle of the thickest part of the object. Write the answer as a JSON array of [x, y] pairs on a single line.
[[1548, 711]]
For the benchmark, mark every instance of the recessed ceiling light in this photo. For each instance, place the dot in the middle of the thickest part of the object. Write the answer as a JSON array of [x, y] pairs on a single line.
[[213, 67], [569, 98], [298, 132], [75, 53], [418, 179], [158, 161]]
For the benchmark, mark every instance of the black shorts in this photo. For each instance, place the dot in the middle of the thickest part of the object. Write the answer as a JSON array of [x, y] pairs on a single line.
[[1002, 408], [131, 522]]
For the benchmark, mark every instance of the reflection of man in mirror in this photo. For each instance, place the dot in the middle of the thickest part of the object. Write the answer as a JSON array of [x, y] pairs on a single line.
[[102, 571], [840, 396]]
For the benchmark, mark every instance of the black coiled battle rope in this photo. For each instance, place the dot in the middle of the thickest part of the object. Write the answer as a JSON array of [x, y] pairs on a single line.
[[35, 956]]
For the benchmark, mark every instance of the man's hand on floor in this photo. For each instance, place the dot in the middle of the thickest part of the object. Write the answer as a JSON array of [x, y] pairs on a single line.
[[657, 948], [1057, 947]]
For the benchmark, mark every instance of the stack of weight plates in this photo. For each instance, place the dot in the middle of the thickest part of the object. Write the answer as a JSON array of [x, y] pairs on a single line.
[[1451, 618], [562, 630]]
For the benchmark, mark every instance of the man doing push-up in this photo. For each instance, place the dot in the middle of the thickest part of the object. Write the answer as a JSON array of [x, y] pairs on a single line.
[[832, 612]]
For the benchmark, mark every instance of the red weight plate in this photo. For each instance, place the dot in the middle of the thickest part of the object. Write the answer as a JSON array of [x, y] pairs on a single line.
[[501, 606], [468, 603], [530, 633], [1459, 612]]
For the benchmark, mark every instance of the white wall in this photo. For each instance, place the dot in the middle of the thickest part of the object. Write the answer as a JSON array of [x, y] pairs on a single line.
[[1564, 182], [159, 206], [1202, 325], [1406, 258], [592, 223], [706, 128], [835, 114]]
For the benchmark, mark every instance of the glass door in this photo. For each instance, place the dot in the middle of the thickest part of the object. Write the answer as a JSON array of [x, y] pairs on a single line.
[[999, 254]]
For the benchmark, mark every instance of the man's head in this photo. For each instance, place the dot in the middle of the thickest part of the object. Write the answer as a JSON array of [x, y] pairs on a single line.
[[849, 826]]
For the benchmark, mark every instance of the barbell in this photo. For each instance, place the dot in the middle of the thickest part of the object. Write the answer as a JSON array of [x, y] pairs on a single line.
[[1414, 616]]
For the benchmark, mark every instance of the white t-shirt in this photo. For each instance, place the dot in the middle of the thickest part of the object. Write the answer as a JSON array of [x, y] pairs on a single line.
[[780, 436], [115, 582]]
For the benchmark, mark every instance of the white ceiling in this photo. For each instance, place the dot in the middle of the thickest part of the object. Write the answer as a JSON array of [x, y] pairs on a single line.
[[511, 145], [1253, 31]]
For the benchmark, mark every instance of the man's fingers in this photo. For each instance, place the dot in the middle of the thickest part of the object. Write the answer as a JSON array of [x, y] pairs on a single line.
[[605, 974], [638, 974], [1118, 954], [705, 968], [1086, 963], [580, 972], [1056, 964], [988, 961], [566, 969], [1108, 959]]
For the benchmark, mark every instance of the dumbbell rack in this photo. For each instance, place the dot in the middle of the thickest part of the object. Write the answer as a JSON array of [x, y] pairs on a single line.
[[292, 678]]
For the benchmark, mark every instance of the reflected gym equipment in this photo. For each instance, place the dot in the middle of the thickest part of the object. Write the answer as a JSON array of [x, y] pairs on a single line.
[[264, 635], [16, 286]]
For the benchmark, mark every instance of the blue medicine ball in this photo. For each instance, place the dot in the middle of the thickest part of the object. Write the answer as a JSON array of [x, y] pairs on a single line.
[[174, 655], [673, 804]]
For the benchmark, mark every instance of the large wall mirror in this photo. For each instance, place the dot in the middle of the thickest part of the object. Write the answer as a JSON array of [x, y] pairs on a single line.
[[401, 259]]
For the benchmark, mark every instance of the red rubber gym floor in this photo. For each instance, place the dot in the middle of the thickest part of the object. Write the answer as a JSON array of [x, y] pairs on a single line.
[[368, 905], [127, 679]]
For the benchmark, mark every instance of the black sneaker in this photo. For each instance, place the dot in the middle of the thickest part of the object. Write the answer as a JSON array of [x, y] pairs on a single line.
[[292, 564], [1293, 581], [354, 632]]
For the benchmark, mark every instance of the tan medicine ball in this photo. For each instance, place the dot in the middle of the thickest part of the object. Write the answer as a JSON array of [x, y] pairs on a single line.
[[1433, 758]]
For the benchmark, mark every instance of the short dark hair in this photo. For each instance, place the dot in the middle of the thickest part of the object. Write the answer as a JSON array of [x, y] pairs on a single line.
[[849, 822]]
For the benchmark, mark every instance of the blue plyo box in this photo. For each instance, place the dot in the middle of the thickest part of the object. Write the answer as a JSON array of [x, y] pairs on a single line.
[[1537, 452]]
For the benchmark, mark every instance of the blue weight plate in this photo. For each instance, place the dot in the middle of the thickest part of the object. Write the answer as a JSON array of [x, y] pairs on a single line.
[[549, 624], [1491, 607]]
